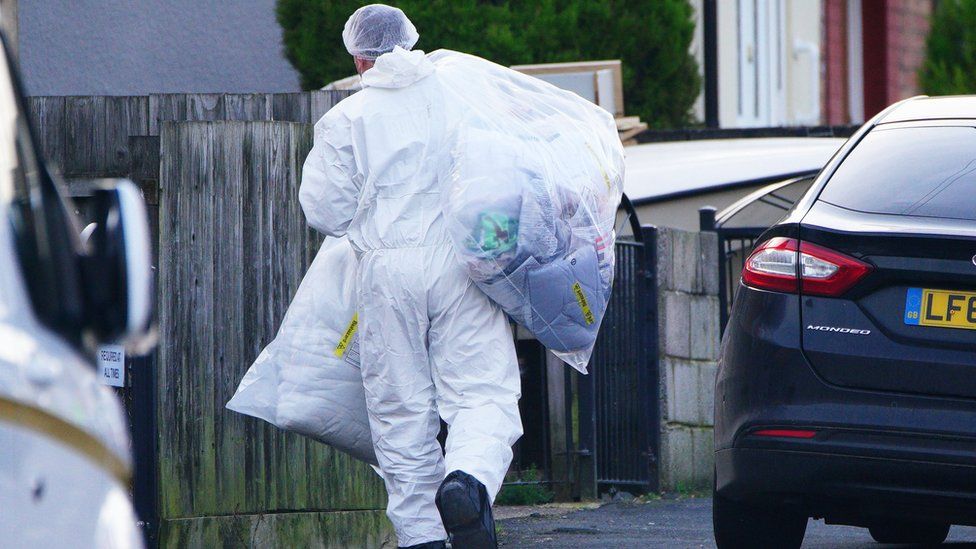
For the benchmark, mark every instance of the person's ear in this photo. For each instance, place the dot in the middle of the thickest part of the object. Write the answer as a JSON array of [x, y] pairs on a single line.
[[362, 65]]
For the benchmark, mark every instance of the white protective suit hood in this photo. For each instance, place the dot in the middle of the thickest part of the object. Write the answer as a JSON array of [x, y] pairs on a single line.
[[398, 69]]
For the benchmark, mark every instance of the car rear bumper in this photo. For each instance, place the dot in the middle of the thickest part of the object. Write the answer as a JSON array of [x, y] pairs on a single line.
[[852, 487], [873, 454]]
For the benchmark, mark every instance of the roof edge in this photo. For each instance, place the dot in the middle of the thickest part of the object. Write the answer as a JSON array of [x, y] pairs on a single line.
[[723, 187]]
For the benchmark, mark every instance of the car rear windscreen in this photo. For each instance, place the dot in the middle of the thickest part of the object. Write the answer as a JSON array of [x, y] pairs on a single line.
[[919, 171]]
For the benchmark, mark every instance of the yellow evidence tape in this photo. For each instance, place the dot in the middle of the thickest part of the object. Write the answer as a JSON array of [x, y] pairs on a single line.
[[583, 304], [343, 345]]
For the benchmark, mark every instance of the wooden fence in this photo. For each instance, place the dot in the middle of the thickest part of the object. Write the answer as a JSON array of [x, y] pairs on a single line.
[[232, 247], [88, 136]]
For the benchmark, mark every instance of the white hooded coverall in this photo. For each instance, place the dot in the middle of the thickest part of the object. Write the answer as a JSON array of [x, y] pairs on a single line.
[[432, 342]]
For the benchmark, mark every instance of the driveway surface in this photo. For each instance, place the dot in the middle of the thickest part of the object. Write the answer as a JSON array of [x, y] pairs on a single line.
[[672, 523]]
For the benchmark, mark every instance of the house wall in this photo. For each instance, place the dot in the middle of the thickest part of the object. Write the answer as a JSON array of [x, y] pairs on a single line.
[[803, 54], [799, 46], [120, 47], [728, 64], [889, 49], [817, 50], [835, 83], [908, 27]]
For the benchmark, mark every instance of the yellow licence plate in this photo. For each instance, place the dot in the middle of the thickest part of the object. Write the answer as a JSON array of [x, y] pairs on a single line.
[[941, 308]]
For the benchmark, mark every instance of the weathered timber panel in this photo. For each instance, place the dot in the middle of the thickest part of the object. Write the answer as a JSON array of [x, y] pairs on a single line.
[[170, 106], [186, 325], [233, 248], [228, 310], [205, 106], [47, 114], [88, 137], [285, 107], [124, 117], [291, 107], [97, 130], [184, 107], [84, 129], [144, 167], [339, 530], [247, 106]]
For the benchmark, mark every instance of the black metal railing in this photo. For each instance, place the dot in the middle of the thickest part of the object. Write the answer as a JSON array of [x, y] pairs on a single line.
[[618, 401], [734, 246]]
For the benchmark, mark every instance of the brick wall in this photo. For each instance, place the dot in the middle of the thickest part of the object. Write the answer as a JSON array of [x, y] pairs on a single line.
[[894, 48], [893, 35], [689, 343], [834, 97], [908, 26]]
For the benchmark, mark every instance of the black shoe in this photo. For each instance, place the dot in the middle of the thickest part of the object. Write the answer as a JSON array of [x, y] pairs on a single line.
[[466, 512], [428, 545]]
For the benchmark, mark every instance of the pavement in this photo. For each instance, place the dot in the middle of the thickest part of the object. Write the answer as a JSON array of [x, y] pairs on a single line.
[[674, 523]]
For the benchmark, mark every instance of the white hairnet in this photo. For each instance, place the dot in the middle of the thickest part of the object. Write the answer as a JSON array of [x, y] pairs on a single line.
[[376, 29]]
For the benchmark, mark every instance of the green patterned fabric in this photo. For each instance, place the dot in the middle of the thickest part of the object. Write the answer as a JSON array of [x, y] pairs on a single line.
[[496, 233]]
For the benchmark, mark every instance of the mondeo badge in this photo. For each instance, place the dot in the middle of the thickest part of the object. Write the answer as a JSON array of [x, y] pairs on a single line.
[[838, 330]]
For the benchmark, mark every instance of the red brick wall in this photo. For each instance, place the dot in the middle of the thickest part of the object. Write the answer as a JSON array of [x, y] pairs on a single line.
[[834, 83], [894, 48], [908, 26], [874, 21]]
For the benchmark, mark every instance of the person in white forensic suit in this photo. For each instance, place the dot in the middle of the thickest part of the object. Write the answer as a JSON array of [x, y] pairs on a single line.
[[432, 344]]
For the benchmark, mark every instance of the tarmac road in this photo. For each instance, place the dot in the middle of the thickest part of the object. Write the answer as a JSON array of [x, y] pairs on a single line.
[[672, 523]]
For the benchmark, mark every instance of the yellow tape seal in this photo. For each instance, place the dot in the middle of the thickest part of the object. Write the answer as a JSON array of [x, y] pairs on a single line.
[[583, 304], [343, 345], [603, 172]]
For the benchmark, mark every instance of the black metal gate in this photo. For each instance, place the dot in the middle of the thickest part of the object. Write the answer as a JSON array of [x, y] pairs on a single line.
[[741, 224], [734, 246], [618, 400]]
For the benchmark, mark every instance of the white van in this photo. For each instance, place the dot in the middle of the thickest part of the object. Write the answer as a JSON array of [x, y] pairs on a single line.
[[65, 462]]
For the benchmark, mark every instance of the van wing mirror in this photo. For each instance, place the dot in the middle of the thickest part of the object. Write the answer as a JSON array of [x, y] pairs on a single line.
[[117, 270]]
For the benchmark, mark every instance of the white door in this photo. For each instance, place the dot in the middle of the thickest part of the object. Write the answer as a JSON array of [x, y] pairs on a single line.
[[762, 37]]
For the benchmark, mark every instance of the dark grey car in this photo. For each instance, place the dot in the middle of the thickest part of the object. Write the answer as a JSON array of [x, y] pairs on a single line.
[[847, 380]]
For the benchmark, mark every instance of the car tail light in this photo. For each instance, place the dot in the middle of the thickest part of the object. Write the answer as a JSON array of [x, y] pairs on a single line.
[[772, 266], [784, 265]]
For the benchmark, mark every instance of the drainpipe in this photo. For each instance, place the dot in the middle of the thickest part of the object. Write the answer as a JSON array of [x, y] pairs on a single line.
[[710, 32]]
